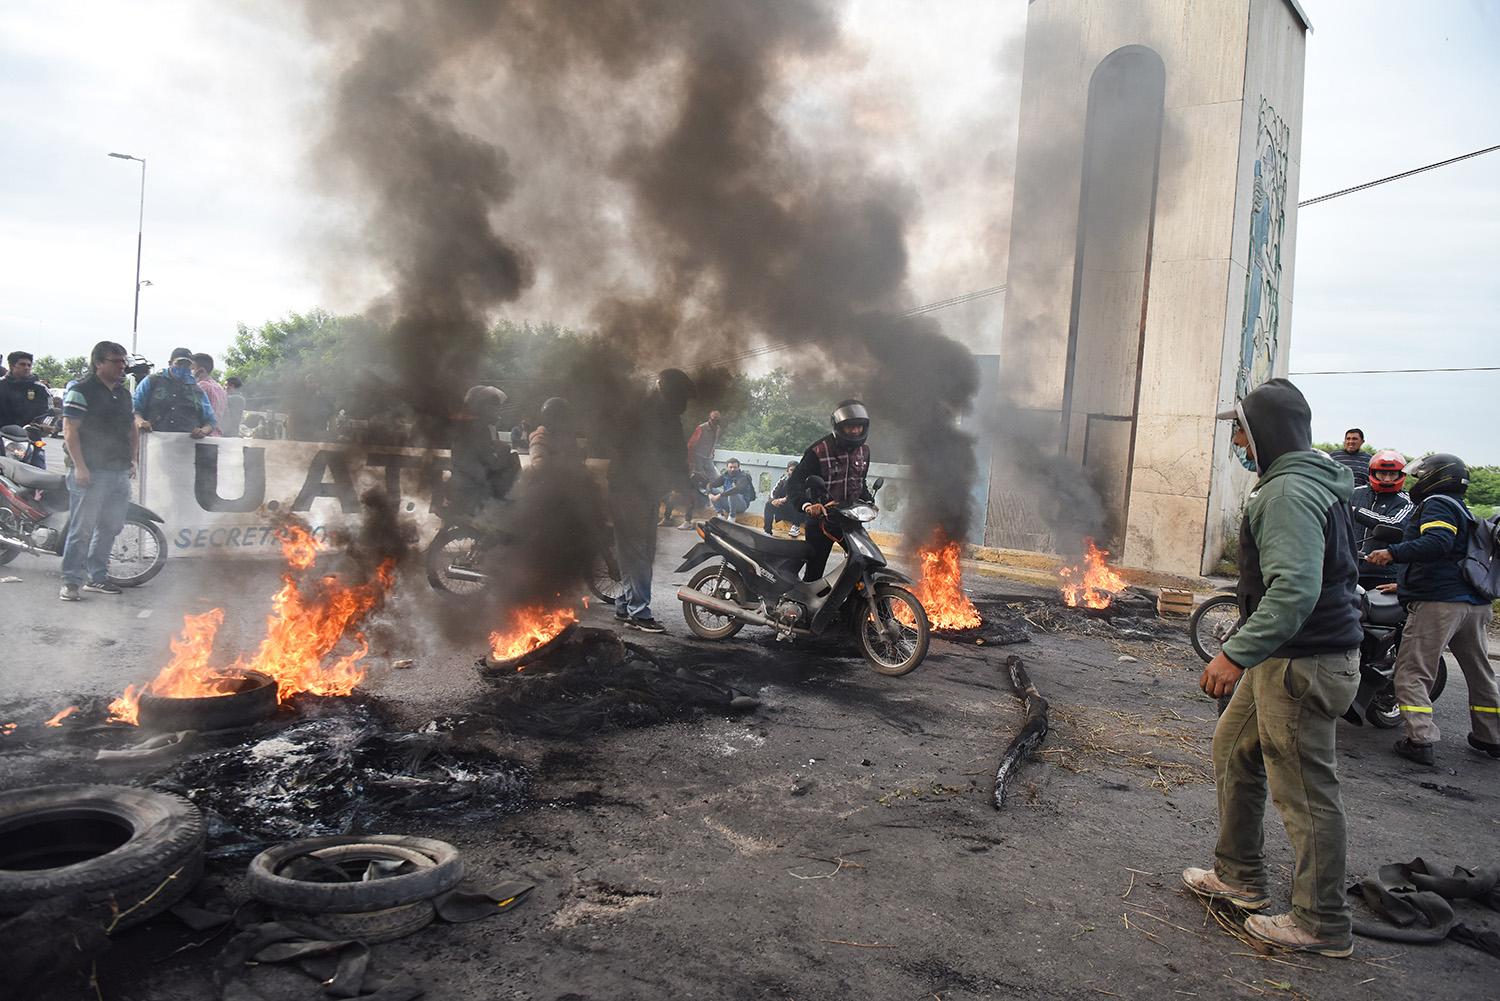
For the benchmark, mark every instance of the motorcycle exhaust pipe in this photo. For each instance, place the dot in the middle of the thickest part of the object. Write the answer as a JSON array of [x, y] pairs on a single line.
[[730, 610], [463, 573], [25, 547]]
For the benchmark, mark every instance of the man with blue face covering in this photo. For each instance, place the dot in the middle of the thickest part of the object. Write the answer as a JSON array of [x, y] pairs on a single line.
[[1293, 666], [173, 401]]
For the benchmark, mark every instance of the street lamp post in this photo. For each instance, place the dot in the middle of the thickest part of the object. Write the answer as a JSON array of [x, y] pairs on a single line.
[[135, 322]]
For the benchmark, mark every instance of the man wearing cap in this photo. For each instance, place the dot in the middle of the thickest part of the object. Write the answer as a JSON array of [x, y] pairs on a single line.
[[173, 401], [1293, 668]]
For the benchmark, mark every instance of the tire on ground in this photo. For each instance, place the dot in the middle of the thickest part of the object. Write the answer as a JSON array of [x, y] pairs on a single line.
[[254, 702], [370, 927], [440, 869], [128, 853]]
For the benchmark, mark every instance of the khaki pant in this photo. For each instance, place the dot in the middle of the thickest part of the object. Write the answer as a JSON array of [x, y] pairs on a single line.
[[1278, 730], [1459, 626]]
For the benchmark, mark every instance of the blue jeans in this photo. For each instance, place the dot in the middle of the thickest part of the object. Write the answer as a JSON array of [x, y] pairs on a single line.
[[731, 504], [96, 513], [634, 517]]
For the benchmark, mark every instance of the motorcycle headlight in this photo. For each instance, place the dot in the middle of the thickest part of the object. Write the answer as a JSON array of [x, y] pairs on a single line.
[[862, 512]]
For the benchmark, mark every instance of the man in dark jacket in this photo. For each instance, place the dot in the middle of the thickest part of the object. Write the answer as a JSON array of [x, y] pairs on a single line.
[[731, 491], [102, 441], [1352, 456], [1380, 502], [648, 459], [172, 400], [1443, 610], [841, 459], [780, 508], [23, 399], [1293, 666], [483, 466]]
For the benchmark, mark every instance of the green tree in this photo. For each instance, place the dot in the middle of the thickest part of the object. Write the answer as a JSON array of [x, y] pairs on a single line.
[[57, 373], [1484, 486], [777, 415]]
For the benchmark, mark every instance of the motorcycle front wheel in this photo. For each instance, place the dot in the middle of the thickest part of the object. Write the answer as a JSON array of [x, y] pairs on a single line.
[[139, 553], [893, 636], [721, 581], [604, 575], [455, 550], [1212, 623]]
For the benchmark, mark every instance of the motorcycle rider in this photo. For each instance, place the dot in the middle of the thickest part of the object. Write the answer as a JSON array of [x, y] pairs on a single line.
[[554, 441], [1443, 610], [173, 401], [483, 466], [1381, 501], [842, 459]]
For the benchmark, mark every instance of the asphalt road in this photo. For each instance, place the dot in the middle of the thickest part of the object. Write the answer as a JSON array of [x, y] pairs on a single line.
[[839, 840]]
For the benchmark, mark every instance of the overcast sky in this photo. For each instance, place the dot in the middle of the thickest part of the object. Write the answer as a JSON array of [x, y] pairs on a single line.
[[222, 98]]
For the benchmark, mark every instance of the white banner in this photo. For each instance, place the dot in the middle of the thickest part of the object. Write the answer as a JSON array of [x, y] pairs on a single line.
[[223, 496]]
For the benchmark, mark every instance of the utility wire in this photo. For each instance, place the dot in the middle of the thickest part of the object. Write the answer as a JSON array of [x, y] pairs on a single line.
[[1398, 371], [1396, 177]]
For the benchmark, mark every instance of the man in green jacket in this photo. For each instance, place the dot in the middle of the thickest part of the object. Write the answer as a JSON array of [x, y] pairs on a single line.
[[1293, 666]]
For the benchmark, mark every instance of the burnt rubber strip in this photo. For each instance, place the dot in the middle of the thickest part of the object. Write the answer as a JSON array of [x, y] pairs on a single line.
[[1415, 901], [1033, 732]]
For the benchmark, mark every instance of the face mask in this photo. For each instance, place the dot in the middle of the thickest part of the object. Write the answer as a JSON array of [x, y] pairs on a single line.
[[1243, 454]]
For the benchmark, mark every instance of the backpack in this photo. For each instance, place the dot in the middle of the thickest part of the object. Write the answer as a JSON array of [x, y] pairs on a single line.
[[1481, 558]]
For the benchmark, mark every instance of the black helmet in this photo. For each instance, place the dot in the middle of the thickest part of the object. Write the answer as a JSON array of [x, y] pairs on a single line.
[[675, 387], [1438, 473], [556, 413], [484, 402], [853, 414]]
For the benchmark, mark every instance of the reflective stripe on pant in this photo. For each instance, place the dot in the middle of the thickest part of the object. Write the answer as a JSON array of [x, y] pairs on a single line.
[[1278, 731], [1460, 627]]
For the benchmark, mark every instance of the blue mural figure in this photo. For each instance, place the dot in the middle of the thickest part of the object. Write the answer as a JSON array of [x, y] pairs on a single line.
[[1260, 232]]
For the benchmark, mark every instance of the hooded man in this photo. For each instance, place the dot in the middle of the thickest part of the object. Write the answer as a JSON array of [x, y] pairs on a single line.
[[1293, 666], [172, 401]]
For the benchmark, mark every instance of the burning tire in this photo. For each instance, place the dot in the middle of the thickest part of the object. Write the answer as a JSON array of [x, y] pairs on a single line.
[[326, 875], [248, 698], [721, 581], [139, 553], [897, 643], [130, 853]]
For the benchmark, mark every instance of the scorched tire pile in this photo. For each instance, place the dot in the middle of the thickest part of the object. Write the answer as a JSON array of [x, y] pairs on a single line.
[[128, 853]]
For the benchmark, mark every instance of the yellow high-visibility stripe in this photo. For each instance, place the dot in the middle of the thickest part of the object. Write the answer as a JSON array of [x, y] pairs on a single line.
[[1486, 709], [1440, 524], [1415, 709]]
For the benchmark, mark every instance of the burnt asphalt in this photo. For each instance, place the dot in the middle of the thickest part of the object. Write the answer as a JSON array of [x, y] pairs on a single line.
[[837, 841]]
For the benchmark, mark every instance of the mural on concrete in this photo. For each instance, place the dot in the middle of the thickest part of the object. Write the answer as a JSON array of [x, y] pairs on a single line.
[[1259, 324]]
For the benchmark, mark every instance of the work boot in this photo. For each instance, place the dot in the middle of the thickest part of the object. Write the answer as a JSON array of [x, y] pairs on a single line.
[[1484, 746], [1283, 931], [69, 592], [1206, 883], [1422, 754]]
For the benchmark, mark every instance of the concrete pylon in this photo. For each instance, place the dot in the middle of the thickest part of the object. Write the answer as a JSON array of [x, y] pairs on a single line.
[[1150, 276]]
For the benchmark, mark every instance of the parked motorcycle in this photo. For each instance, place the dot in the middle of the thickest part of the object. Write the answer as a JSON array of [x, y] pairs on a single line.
[[34, 519], [754, 578], [1382, 617]]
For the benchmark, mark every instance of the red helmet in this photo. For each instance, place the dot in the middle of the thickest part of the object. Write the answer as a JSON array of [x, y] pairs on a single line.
[[1387, 461]]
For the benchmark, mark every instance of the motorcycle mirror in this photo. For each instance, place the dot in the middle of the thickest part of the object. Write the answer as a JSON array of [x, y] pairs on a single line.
[[1388, 533], [879, 482]]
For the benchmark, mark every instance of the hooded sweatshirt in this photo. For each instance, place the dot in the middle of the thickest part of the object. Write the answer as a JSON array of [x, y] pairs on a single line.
[[1298, 576]]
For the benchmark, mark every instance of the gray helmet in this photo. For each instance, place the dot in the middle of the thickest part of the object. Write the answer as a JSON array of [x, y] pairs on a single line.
[[556, 412], [853, 414], [484, 402]]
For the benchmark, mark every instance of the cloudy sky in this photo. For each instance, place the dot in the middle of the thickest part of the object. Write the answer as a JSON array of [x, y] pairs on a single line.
[[223, 99]]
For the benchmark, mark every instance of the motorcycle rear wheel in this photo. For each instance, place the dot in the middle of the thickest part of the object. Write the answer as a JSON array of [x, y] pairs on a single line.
[[893, 656], [721, 581], [139, 553], [455, 546], [604, 575], [1212, 623]]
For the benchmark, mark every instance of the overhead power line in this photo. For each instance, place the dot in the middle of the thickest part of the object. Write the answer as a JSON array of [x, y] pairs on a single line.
[[1396, 177]]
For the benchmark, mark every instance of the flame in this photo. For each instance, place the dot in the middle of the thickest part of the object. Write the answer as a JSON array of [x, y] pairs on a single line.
[[1092, 585], [64, 714], [306, 624], [529, 629], [941, 590]]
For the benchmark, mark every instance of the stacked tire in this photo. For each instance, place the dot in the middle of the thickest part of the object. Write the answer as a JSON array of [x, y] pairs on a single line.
[[325, 881], [126, 854]]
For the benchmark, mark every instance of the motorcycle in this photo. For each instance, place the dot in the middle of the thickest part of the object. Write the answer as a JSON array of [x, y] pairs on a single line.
[[1382, 618], [753, 578], [34, 519], [459, 553]]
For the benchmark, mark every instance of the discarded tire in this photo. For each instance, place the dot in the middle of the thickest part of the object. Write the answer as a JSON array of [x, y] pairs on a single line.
[[370, 927], [249, 698], [271, 877], [128, 853]]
